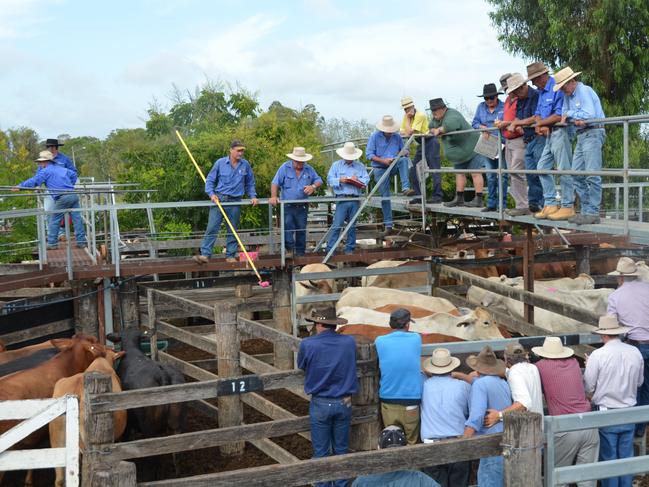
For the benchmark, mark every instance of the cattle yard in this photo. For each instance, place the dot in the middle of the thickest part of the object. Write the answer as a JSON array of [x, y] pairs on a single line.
[[235, 343]]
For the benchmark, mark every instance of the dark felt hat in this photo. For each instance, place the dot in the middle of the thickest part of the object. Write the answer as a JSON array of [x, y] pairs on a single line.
[[486, 362], [490, 90], [436, 103], [53, 143], [326, 315]]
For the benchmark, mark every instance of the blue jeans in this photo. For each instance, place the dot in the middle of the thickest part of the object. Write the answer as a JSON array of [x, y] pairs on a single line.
[[401, 167], [557, 150], [616, 442], [492, 181], [491, 472], [345, 210], [214, 225], [330, 424], [65, 202], [433, 161], [295, 218], [643, 390], [588, 157], [533, 153]]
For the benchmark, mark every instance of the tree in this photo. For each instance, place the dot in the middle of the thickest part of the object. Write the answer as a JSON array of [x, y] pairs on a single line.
[[606, 39]]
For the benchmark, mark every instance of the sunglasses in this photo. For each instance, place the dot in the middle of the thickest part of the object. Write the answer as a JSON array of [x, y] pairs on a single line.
[[490, 97]]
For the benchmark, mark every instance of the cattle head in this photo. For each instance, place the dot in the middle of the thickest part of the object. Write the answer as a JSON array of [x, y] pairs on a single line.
[[491, 299], [112, 356], [316, 287], [589, 282], [129, 337], [484, 325]]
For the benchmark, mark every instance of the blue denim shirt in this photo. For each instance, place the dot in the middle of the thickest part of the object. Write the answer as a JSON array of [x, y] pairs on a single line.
[[583, 104], [225, 179], [487, 392], [342, 168], [54, 177], [329, 364], [550, 101], [444, 407], [62, 160], [380, 146], [291, 186], [484, 117], [525, 108]]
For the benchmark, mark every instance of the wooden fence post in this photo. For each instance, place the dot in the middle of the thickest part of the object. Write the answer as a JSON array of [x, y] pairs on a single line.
[[121, 475], [98, 427], [582, 259], [85, 312], [243, 292], [128, 302], [283, 358], [366, 436], [152, 317], [229, 365], [522, 445], [528, 272]]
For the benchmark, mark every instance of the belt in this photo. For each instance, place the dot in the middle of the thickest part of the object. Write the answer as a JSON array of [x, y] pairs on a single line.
[[589, 127], [630, 341], [346, 196], [343, 399]]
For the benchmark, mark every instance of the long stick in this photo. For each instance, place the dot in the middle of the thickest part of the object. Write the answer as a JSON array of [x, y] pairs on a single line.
[[225, 216]]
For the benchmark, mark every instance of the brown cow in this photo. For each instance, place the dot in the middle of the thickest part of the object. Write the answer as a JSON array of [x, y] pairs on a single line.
[[74, 385], [11, 355], [371, 332], [415, 311], [2, 347]]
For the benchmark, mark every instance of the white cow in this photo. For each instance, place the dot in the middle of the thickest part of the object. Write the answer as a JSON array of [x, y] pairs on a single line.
[[312, 287], [477, 325], [395, 281], [371, 297]]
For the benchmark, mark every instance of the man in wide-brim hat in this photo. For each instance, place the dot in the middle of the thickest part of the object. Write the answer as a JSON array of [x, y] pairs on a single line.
[[328, 360], [384, 149], [489, 390], [581, 103], [613, 374], [296, 180], [444, 410]]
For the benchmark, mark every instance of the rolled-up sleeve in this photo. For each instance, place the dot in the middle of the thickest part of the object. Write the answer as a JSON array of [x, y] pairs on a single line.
[[211, 180], [250, 184], [333, 177]]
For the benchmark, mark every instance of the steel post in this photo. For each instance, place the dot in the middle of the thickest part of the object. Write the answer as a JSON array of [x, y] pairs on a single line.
[[421, 173], [68, 246], [282, 251], [625, 177], [108, 306]]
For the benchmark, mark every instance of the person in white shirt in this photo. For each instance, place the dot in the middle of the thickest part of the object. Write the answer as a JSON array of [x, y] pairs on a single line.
[[613, 375], [524, 381]]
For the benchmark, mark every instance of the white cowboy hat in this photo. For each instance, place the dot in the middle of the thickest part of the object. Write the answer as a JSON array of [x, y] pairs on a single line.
[[608, 325], [553, 348], [406, 102], [563, 76], [625, 267], [441, 362], [299, 154], [388, 124], [44, 155], [349, 151], [514, 82]]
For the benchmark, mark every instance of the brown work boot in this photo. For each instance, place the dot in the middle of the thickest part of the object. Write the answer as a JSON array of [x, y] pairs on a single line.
[[231, 260], [201, 259], [562, 214], [546, 211]]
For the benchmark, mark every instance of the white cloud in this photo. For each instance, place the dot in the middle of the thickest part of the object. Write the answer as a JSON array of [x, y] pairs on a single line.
[[22, 18]]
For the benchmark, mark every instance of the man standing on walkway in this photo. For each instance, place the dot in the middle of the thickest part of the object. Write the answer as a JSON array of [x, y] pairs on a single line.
[[581, 103], [60, 159], [563, 388], [400, 385], [57, 179], [630, 304], [488, 391], [458, 149], [383, 146], [416, 122], [444, 411], [488, 111], [226, 182], [328, 360], [613, 375], [346, 177], [297, 181]]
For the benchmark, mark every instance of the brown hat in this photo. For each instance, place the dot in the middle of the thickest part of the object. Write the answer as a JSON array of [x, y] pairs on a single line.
[[486, 362], [514, 349], [535, 70], [326, 315]]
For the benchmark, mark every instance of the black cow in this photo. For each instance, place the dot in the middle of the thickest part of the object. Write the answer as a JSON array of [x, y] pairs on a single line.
[[24, 363]]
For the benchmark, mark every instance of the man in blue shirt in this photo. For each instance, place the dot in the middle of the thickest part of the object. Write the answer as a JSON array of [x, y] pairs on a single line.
[[226, 182], [400, 385], [488, 391], [382, 148], [347, 177], [328, 360], [444, 411], [297, 180], [57, 179], [60, 159], [581, 103], [488, 111]]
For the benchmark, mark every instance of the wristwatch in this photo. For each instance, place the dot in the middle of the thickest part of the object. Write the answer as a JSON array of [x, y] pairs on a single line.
[[500, 415]]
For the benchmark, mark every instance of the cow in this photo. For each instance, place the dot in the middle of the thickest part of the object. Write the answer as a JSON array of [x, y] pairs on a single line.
[[2, 346], [395, 281], [74, 385], [27, 362], [477, 325], [311, 287], [415, 311], [11, 355], [369, 297], [371, 332]]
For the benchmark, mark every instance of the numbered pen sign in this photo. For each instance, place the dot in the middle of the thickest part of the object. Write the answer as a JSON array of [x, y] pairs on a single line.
[[241, 385]]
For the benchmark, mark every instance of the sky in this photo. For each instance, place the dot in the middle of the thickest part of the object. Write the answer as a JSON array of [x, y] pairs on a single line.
[[89, 67]]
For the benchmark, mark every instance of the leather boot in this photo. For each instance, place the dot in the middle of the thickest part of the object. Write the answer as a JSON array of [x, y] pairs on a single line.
[[457, 201], [546, 211], [476, 202], [562, 214]]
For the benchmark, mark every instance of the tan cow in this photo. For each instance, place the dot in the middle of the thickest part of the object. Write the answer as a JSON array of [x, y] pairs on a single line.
[[371, 297], [372, 332], [312, 287], [415, 311], [74, 385], [11, 355], [395, 281]]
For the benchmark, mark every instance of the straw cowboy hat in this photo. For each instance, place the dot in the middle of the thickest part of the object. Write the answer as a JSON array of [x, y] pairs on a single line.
[[535, 70], [388, 124], [299, 154], [406, 102], [349, 151], [514, 82], [608, 325], [326, 315], [625, 267], [44, 155], [553, 348], [441, 362], [563, 76], [489, 90], [486, 362]]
